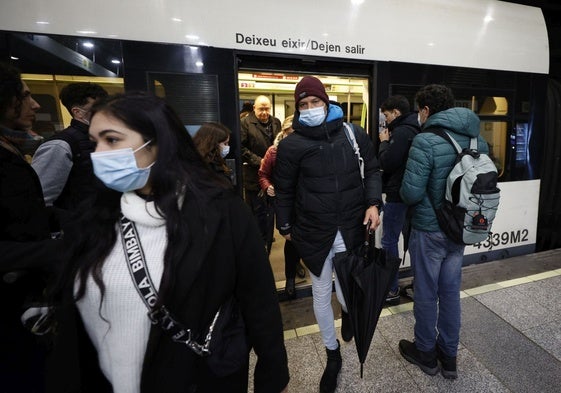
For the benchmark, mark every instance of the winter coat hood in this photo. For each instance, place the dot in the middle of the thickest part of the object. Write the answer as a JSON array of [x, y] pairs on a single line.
[[462, 121]]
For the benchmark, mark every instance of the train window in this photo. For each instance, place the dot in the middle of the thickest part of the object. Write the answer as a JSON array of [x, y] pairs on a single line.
[[493, 128], [492, 111], [193, 96], [52, 117], [494, 132]]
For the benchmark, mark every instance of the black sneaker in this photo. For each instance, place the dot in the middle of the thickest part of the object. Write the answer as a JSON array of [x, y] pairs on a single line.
[[407, 291], [393, 298], [425, 360], [346, 327], [448, 364], [328, 382]]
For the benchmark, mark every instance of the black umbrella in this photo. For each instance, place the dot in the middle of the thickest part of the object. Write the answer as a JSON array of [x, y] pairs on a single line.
[[365, 275]]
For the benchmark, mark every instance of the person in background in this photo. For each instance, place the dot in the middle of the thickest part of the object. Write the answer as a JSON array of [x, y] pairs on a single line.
[[436, 260], [199, 244], [63, 162], [27, 248], [213, 143], [395, 141], [323, 204], [292, 263], [247, 108], [258, 131]]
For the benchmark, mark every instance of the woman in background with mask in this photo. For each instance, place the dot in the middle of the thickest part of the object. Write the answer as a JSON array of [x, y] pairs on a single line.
[[212, 141], [171, 220], [292, 265]]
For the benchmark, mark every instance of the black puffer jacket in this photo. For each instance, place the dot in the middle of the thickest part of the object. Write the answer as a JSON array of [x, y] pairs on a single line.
[[319, 189], [393, 154]]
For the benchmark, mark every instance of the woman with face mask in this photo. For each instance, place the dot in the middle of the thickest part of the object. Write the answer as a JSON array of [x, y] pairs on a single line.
[[164, 247], [292, 265], [213, 143]]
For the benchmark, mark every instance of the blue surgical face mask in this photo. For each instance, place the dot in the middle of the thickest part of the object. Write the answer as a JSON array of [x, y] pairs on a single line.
[[117, 169], [224, 150], [312, 117]]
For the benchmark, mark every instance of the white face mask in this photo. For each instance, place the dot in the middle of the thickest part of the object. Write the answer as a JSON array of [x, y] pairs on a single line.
[[224, 150], [419, 119], [312, 117], [117, 169], [86, 115]]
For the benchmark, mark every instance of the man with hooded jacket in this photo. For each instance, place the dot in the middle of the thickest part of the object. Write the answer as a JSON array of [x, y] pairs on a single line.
[[322, 204], [436, 260]]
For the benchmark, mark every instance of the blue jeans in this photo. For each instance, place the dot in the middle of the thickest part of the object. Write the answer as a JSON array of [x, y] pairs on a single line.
[[437, 268], [392, 225]]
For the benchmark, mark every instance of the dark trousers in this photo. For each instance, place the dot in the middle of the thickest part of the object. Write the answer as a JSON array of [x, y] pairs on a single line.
[[264, 213], [22, 358], [291, 259]]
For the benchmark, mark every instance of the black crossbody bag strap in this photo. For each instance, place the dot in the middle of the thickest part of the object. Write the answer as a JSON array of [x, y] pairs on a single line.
[[145, 288]]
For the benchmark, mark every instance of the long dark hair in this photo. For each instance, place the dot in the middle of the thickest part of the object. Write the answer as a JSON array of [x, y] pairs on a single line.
[[11, 86], [207, 141], [179, 170]]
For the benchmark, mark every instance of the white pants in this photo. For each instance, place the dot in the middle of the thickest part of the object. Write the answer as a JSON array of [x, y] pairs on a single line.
[[321, 292]]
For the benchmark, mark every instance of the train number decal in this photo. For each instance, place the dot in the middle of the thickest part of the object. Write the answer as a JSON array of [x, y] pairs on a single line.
[[496, 239]]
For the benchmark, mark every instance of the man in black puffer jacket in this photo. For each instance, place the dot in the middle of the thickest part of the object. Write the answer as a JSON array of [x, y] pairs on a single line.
[[322, 205], [395, 142]]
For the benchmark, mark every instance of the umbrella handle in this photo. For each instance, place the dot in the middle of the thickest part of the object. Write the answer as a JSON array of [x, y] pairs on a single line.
[[367, 232]]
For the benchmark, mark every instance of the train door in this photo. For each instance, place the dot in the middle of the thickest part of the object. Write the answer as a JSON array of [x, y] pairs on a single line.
[[350, 85]]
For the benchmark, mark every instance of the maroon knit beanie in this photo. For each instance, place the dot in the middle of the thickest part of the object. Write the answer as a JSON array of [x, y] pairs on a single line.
[[310, 86]]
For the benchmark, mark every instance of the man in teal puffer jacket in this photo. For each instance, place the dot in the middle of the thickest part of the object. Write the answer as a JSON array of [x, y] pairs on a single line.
[[436, 260]]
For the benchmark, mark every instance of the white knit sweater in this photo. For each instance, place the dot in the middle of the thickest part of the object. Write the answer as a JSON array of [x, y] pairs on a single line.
[[122, 337]]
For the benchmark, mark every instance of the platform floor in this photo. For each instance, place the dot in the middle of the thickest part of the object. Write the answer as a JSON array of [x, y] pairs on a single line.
[[510, 339]]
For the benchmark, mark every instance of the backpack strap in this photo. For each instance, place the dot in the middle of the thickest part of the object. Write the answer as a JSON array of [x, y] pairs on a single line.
[[445, 135], [349, 132], [473, 144]]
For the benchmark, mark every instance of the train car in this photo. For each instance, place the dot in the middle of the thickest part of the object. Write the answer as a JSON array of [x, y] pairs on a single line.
[[208, 58]]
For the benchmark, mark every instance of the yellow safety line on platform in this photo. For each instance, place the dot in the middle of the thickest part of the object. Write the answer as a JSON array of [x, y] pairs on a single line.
[[387, 311]]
